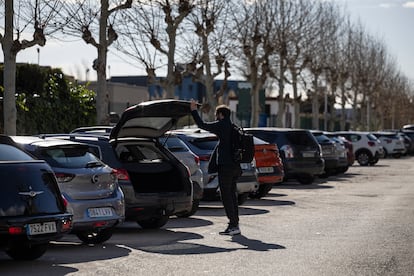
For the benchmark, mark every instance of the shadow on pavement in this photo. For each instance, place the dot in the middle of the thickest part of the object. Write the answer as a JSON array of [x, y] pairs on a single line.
[[255, 245]]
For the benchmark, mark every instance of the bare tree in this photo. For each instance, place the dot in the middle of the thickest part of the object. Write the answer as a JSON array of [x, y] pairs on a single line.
[[253, 25], [95, 21], [209, 52], [156, 23], [21, 17]]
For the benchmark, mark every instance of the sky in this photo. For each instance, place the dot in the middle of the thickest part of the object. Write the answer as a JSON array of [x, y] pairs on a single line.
[[389, 20]]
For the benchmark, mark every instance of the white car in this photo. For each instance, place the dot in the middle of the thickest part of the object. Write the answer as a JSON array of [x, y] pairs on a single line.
[[392, 143], [367, 148]]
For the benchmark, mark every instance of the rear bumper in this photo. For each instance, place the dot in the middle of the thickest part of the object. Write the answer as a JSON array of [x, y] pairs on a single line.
[[311, 167], [153, 206]]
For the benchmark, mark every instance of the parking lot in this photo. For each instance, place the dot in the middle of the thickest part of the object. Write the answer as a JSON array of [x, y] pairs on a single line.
[[358, 223]]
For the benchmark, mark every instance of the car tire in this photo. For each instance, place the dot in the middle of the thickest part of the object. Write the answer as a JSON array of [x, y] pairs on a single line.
[[305, 179], [193, 210], [96, 237], [153, 223], [23, 251], [263, 190], [241, 198], [364, 157]]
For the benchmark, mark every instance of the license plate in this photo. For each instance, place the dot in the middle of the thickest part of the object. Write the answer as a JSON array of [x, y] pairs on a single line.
[[41, 228], [308, 154], [100, 212], [266, 169]]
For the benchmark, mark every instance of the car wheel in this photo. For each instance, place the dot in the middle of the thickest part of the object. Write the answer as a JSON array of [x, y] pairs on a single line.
[[263, 190], [25, 252], [241, 198], [363, 158], [96, 237], [193, 210], [153, 223], [305, 179]]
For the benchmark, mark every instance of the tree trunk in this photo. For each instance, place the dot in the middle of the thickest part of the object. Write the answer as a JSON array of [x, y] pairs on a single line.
[[101, 95], [296, 100], [315, 104], [255, 106], [9, 74]]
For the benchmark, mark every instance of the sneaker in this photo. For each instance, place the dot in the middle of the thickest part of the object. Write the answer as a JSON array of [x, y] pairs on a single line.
[[231, 231]]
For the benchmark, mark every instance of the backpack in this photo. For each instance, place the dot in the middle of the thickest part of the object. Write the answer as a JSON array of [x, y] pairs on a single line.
[[242, 145]]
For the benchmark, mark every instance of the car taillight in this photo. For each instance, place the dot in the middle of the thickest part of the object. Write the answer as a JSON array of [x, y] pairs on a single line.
[[197, 159], [16, 230], [371, 144], [65, 201], [121, 174], [288, 151], [204, 157], [66, 225]]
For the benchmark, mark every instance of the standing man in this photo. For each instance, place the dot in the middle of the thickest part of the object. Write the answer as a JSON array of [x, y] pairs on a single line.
[[228, 170]]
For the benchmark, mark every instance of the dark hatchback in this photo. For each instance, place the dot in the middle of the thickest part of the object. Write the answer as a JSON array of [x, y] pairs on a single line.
[[300, 152], [156, 185], [32, 210]]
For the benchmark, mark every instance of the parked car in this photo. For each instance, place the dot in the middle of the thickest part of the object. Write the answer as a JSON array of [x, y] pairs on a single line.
[[367, 148], [192, 161], [392, 143], [300, 152], [333, 153], [155, 183], [89, 186], [269, 166], [410, 135], [179, 149], [202, 143], [347, 144], [32, 210]]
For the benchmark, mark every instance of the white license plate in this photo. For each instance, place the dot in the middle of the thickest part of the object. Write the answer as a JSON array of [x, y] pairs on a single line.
[[100, 212], [266, 169], [41, 228]]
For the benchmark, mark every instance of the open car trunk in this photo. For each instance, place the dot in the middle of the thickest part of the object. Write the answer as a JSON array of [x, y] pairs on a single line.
[[150, 169]]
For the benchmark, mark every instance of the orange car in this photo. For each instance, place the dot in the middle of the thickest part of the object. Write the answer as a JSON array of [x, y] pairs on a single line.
[[269, 166]]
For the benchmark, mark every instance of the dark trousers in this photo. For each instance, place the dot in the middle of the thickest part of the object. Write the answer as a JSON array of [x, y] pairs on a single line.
[[227, 177]]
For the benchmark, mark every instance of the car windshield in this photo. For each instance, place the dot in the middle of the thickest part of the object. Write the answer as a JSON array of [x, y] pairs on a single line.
[[10, 153], [72, 157]]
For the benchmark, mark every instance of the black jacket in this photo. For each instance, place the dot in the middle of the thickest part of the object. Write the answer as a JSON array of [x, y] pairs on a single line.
[[221, 128]]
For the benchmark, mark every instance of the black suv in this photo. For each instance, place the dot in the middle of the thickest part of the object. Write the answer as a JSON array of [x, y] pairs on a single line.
[[32, 210], [155, 183], [300, 152]]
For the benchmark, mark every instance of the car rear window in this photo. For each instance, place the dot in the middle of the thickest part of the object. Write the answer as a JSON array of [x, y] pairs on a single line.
[[174, 144], [18, 180], [10, 153], [300, 138], [72, 157], [205, 144]]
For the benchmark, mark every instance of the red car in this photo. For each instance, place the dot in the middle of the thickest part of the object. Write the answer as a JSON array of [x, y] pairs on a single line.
[[269, 166]]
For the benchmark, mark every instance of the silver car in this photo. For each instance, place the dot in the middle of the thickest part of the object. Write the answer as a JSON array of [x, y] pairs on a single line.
[[89, 187]]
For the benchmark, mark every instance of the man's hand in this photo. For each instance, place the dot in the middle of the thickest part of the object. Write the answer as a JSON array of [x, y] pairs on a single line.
[[193, 105]]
